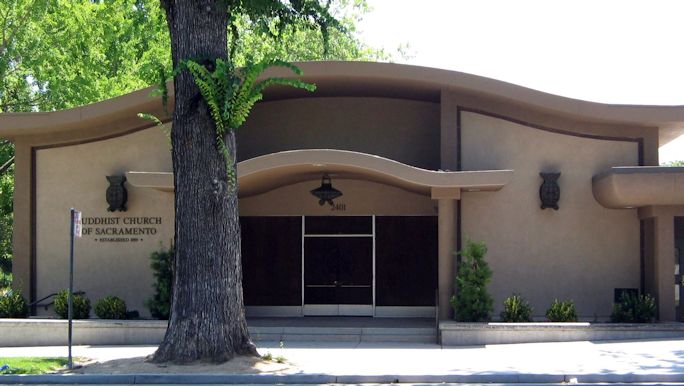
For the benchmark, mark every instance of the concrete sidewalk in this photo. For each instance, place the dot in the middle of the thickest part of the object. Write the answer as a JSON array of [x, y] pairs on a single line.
[[583, 362]]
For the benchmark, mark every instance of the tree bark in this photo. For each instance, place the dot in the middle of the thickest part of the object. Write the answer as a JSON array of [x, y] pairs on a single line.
[[207, 320]]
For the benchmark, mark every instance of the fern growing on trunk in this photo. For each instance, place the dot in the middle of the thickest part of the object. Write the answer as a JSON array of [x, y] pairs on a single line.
[[230, 95]]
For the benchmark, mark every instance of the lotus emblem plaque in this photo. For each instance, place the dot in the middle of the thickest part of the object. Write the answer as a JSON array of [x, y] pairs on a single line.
[[117, 196], [549, 191]]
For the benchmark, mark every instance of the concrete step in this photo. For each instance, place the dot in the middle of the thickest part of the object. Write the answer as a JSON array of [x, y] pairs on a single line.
[[343, 334], [53, 332]]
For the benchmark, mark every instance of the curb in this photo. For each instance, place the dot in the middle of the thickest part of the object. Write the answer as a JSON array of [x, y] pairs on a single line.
[[151, 379]]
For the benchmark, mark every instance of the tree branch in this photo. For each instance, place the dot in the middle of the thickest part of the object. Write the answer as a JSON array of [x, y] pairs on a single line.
[[6, 166], [20, 23], [18, 105], [5, 18], [11, 70]]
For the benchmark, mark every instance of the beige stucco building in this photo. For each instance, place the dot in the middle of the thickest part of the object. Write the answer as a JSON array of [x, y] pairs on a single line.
[[424, 159]]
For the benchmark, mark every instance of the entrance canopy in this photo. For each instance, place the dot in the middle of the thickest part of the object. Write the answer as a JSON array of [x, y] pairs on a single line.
[[638, 186], [262, 174]]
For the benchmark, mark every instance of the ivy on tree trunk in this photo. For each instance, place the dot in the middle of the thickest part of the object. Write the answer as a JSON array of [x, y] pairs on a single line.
[[207, 320]]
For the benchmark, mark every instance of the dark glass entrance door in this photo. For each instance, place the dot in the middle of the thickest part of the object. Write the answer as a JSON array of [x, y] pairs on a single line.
[[338, 270]]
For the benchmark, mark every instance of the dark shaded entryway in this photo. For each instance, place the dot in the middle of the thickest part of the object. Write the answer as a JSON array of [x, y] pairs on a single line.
[[340, 265]]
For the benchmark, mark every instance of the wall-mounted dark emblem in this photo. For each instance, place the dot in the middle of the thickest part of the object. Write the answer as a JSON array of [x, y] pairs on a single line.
[[549, 191], [116, 193]]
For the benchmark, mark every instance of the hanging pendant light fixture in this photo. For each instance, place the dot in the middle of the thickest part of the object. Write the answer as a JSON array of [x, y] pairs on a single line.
[[326, 193]]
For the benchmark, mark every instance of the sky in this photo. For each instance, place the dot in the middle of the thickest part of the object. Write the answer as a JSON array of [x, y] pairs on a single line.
[[616, 52]]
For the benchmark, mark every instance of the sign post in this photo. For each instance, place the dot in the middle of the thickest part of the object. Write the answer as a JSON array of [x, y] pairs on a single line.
[[75, 231]]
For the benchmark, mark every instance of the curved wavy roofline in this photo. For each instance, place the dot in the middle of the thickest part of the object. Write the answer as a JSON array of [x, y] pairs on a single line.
[[646, 114], [341, 78]]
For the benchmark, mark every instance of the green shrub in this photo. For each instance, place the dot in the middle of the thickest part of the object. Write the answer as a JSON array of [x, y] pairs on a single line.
[[5, 280], [472, 302], [5, 263], [162, 267], [13, 305], [110, 307], [516, 310], [562, 311], [80, 302], [634, 309]]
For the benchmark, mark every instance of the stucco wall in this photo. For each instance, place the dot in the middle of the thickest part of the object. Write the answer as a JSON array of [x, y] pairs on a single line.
[[74, 176], [403, 130], [582, 251]]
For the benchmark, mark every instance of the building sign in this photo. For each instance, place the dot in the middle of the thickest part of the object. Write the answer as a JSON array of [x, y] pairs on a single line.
[[120, 229], [78, 226]]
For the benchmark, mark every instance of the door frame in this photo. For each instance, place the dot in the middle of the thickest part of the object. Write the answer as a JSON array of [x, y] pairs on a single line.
[[338, 309], [679, 285], [678, 231]]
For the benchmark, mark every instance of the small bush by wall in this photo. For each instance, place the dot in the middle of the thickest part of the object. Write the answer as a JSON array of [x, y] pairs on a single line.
[[472, 302], [516, 310], [81, 305], [162, 267], [5, 280], [110, 307], [633, 308], [13, 305], [562, 311]]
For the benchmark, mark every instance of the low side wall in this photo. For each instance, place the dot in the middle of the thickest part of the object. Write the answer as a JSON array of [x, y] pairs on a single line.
[[477, 334], [54, 332]]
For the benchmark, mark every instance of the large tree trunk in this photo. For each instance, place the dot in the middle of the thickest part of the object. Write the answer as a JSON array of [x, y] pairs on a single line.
[[207, 320]]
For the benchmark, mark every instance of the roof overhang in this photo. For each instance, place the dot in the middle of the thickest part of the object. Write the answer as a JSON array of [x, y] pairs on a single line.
[[262, 174], [638, 186], [339, 78]]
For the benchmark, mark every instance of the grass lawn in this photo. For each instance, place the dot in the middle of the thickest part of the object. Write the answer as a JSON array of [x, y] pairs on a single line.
[[31, 365]]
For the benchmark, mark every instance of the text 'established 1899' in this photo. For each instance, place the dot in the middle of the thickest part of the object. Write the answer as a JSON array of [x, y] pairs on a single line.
[[120, 229]]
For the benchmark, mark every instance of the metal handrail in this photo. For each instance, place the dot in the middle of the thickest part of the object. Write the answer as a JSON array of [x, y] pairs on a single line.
[[46, 305]]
